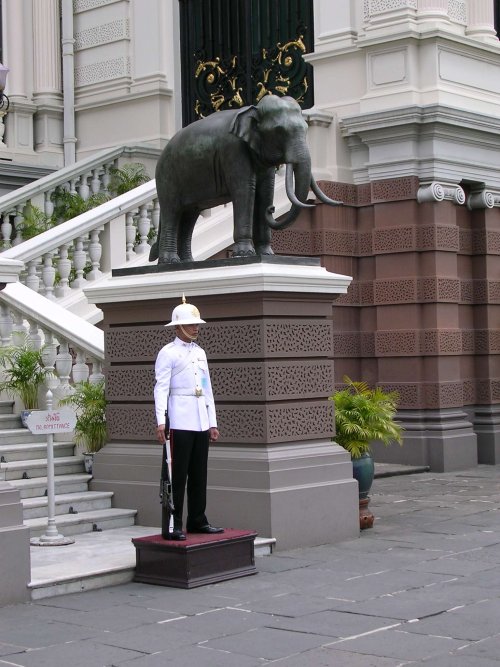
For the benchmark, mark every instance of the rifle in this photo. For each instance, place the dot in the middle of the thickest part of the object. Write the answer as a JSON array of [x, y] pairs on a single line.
[[167, 505]]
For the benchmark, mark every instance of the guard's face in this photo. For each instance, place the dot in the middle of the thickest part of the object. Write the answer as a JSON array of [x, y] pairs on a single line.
[[188, 332]]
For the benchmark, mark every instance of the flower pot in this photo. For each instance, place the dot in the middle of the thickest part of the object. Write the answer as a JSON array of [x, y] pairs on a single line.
[[363, 471], [24, 416]]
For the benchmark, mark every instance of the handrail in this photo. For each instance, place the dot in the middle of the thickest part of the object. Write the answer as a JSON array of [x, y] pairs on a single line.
[[55, 318], [28, 191], [81, 224]]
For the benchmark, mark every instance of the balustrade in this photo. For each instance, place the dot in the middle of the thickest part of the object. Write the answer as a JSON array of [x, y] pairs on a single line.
[[72, 363]]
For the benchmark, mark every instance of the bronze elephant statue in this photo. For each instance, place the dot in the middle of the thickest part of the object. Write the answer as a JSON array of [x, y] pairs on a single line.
[[233, 156]]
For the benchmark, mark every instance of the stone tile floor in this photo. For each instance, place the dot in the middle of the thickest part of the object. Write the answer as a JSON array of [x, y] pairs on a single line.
[[422, 587]]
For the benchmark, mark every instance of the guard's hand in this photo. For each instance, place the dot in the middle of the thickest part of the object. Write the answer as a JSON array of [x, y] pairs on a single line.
[[214, 434], [160, 433]]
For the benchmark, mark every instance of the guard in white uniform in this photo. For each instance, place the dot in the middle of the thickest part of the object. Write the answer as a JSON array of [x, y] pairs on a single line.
[[183, 390]]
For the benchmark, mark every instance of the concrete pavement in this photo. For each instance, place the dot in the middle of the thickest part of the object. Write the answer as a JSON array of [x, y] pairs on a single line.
[[422, 587]]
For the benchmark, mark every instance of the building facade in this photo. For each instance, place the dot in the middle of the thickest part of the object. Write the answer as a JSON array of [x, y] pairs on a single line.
[[404, 126]]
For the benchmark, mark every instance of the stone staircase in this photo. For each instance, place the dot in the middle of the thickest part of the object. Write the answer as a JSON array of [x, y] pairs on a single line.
[[23, 464]]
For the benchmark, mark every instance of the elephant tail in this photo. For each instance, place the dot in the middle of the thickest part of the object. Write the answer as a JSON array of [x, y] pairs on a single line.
[[153, 253]]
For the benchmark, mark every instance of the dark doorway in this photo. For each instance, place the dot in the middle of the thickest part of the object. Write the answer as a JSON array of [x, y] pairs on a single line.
[[236, 51]]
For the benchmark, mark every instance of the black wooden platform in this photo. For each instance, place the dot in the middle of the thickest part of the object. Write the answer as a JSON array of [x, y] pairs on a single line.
[[200, 560]]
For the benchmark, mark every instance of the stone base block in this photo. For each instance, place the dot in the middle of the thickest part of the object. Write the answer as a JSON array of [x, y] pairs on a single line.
[[487, 428], [200, 560], [442, 439], [301, 494]]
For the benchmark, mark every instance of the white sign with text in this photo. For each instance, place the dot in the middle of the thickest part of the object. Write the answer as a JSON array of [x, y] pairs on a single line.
[[51, 421]]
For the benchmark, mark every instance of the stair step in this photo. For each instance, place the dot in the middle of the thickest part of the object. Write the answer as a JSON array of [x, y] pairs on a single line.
[[19, 435], [63, 465], [33, 450], [6, 407], [76, 524], [83, 501], [9, 420], [29, 488]]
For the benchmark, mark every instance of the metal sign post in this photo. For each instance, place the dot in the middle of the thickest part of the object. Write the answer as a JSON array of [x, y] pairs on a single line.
[[49, 422]]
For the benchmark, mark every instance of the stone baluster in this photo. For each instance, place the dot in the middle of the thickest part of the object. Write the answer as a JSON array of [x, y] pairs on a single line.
[[48, 276], [5, 325], [83, 189], [72, 186], [130, 232], [143, 227], [95, 182], [64, 270], [64, 364], [97, 375], [6, 229], [19, 329], [32, 279], [50, 346], [155, 219], [35, 335], [79, 261], [80, 368], [95, 253], [106, 177], [49, 355], [18, 220], [48, 204]]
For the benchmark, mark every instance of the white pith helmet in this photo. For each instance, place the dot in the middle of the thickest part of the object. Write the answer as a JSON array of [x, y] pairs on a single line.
[[185, 313]]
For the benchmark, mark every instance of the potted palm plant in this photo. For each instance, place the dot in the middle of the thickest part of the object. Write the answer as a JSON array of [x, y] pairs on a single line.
[[23, 375], [364, 415], [90, 402]]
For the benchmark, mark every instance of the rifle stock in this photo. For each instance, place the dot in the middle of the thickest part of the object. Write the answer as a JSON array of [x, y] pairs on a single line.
[[167, 506]]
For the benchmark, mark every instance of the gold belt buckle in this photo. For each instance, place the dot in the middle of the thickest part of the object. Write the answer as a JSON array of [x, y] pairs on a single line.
[[198, 391]]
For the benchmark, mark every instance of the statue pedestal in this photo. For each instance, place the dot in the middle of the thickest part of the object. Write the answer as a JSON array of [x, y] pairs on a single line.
[[268, 339]]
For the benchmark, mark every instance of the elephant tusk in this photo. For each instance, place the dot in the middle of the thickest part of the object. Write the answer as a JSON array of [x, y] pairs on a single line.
[[321, 195], [290, 191]]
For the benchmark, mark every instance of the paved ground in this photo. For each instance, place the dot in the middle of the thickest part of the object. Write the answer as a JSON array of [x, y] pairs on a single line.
[[422, 587]]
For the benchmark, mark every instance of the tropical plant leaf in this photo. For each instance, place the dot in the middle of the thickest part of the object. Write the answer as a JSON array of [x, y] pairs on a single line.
[[364, 415], [90, 402], [127, 177]]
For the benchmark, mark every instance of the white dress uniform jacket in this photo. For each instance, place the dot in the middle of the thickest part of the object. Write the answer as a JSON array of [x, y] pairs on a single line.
[[183, 384]]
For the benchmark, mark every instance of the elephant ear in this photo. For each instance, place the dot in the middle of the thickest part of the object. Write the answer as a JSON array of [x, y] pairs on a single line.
[[244, 126]]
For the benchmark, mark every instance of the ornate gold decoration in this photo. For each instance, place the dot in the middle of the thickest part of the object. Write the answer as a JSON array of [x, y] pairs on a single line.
[[277, 71]]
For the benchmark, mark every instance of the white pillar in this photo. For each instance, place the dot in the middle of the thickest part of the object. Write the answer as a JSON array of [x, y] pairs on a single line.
[[335, 23], [47, 87], [434, 9], [14, 48], [17, 56], [481, 20], [46, 50]]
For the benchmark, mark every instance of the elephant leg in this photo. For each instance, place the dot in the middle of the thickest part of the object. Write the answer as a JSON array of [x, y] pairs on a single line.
[[186, 228], [243, 198], [167, 238], [264, 196]]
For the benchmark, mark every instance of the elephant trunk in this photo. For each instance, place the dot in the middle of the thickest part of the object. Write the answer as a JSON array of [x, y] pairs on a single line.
[[301, 173]]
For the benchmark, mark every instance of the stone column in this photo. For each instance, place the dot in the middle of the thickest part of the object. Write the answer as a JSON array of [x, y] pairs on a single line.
[[435, 9], [268, 340], [47, 88], [335, 24], [481, 21], [19, 120]]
